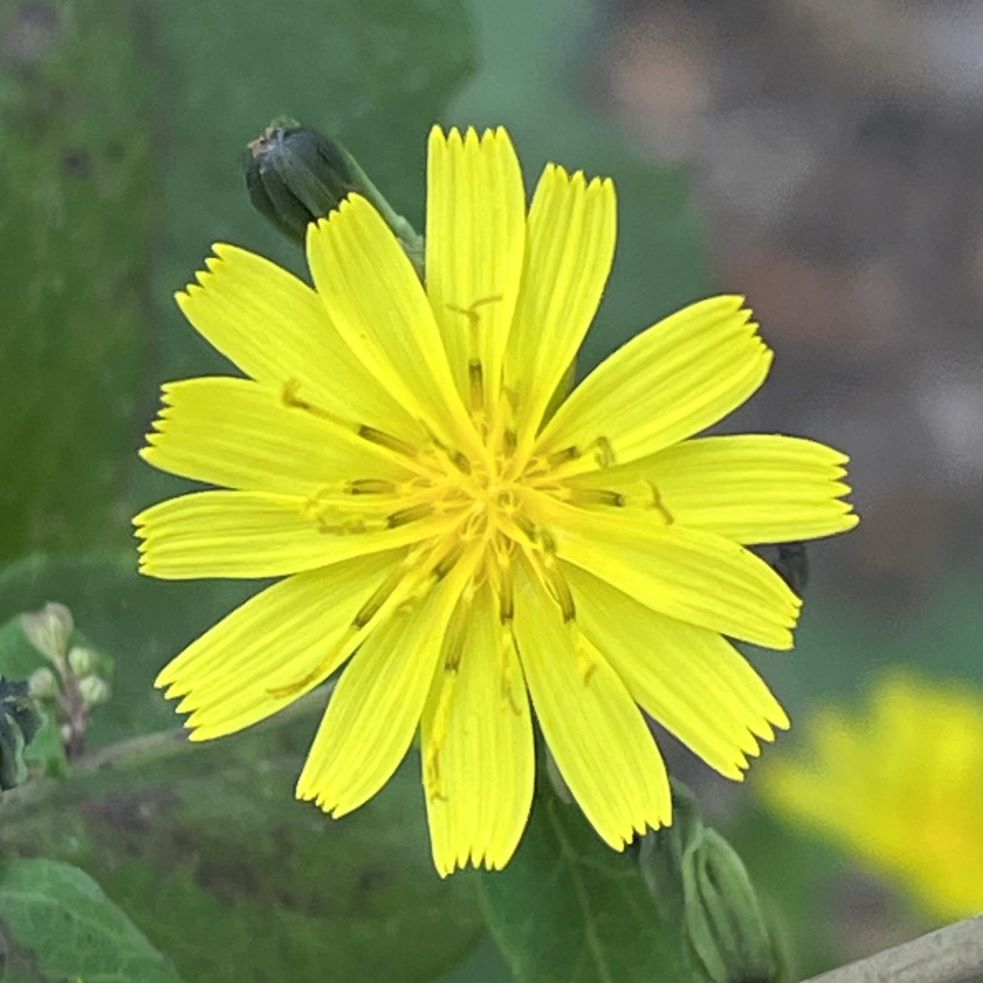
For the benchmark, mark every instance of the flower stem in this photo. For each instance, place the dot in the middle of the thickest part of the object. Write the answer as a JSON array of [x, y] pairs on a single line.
[[953, 954]]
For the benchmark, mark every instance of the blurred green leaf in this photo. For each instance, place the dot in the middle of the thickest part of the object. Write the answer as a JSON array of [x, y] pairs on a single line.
[[75, 248], [207, 851], [56, 925], [569, 909]]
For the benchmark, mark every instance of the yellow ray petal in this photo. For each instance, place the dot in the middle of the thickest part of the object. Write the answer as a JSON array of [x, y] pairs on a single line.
[[569, 250], [239, 433], [477, 743], [689, 679], [476, 224], [237, 672], [275, 328], [693, 576], [596, 733], [377, 704], [255, 534], [668, 383], [377, 303], [752, 488]]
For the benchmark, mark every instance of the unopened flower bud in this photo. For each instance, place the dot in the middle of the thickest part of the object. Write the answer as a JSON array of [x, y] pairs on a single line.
[[42, 684], [49, 630], [81, 661], [723, 925], [94, 690], [296, 176]]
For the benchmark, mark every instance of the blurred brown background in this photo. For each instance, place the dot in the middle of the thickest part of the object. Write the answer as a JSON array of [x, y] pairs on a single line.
[[837, 154]]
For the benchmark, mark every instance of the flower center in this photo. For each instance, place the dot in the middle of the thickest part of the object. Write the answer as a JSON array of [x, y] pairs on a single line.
[[476, 514]]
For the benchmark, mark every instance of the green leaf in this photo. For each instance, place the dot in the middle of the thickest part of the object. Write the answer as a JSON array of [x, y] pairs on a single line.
[[206, 849], [571, 910], [56, 925], [75, 245]]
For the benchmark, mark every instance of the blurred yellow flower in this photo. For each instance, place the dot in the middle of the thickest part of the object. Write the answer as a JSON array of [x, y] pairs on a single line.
[[393, 455], [902, 788]]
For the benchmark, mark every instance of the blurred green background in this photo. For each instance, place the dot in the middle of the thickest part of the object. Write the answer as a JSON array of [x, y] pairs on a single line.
[[792, 152]]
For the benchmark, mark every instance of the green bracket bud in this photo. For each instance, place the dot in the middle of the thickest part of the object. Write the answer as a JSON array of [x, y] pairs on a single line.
[[296, 175], [19, 723], [81, 661], [723, 925], [94, 690], [43, 684], [49, 630]]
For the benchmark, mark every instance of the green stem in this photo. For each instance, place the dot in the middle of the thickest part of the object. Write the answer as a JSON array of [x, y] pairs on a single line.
[[412, 241]]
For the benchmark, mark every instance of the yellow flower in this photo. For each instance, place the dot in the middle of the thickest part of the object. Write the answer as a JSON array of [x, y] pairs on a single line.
[[392, 455], [902, 789]]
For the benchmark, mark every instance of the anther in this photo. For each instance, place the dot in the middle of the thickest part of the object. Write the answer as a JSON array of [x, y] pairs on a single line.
[[506, 598], [476, 382], [597, 496], [411, 514], [384, 439], [371, 486], [561, 457], [379, 597], [447, 562]]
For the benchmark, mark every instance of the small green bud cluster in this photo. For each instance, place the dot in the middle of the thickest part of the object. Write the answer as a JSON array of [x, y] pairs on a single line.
[[43, 684], [74, 682], [49, 631], [94, 690]]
